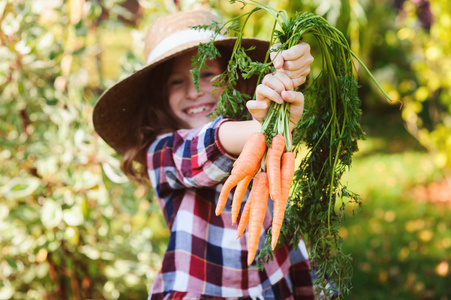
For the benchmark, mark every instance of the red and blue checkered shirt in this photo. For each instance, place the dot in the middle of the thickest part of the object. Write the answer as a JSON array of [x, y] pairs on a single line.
[[204, 260]]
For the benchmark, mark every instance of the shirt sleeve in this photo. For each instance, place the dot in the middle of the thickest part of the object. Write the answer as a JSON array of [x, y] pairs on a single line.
[[188, 158]]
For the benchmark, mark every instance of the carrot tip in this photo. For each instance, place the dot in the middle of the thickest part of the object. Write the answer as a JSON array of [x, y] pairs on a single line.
[[273, 244]]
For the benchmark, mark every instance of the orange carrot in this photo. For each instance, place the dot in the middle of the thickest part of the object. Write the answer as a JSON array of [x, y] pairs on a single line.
[[240, 190], [286, 174], [244, 219], [257, 214], [247, 164], [273, 165]]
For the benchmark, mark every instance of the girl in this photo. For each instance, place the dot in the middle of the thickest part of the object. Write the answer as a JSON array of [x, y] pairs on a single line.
[[160, 124]]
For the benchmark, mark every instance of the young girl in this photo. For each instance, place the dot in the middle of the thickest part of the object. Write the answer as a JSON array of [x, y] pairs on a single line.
[[160, 124]]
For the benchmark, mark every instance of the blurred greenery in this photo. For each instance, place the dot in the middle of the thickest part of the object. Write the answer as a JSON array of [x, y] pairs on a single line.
[[73, 227], [400, 241]]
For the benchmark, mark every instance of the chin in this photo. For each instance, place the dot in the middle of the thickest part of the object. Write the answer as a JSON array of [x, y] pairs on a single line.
[[198, 122]]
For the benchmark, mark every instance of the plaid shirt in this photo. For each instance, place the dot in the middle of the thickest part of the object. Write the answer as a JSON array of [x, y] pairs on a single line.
[[204, 260]]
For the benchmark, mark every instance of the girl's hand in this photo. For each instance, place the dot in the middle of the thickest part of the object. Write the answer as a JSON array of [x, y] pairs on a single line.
[[278, 88], [294, 62], [292, 67]]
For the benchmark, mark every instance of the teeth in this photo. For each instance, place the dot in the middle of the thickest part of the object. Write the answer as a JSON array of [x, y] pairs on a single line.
[[197, 110]]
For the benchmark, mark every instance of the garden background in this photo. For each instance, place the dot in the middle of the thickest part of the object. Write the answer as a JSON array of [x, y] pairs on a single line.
[[73, 227]]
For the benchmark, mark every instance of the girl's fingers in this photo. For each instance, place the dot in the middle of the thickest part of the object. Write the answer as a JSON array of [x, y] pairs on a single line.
[[298, 70], [296, 52], [285, 80], [278, 81], [296, 99], [296, 63], [276, 57], [299, 81], [254, 105], [258, 109], [298, 77], [269, 90], [265, 93], [297, 67], [278, 61], [293, 97]]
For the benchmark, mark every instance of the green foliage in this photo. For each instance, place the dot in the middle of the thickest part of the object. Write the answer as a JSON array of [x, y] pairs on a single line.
[[426, 93], [410, 55], [71, 226], [400, 241]]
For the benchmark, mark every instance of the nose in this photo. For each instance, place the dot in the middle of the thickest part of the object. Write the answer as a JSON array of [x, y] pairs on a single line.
[[191, 91]]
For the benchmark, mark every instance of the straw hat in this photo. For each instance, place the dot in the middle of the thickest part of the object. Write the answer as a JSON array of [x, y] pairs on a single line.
[[168, 37]]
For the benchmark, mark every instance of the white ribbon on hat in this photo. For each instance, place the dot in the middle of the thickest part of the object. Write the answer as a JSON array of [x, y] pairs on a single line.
[[179, 38]]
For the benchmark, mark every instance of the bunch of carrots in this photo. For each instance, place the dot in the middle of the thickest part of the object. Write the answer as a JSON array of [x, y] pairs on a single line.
[[272, 169]]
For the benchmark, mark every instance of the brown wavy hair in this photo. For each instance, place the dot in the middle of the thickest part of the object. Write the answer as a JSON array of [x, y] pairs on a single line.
[[156, 117]]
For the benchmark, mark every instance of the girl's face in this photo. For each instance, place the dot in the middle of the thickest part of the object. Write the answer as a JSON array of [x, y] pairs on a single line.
[[185, 102]]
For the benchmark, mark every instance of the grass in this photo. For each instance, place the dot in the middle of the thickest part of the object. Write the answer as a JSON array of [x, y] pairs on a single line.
[[400, 244]]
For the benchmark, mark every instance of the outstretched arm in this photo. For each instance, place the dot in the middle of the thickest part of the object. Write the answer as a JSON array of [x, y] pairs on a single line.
[[292, 67]]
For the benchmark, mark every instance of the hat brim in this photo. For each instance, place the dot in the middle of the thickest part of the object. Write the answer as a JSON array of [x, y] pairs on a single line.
[[121, 103]]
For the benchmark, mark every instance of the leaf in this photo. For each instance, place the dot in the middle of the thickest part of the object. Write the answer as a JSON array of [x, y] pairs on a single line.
[[73, 216], [4, 212], [18, 188], [10, 25], [45, 41], [81, 29], [11, 262], [7, 290], [90, 252], [113, 174], [51, 214]]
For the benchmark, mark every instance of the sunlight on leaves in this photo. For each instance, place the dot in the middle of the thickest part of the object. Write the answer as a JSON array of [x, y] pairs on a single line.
[[415, 225], [113, 174], [73, 216], [383, 276], [403, 254], [442, 268], [20, 187], [51, 214], [425, 235], [7, 290]]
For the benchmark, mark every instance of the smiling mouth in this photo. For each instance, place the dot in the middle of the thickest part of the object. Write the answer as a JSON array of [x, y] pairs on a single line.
[[199, 109]]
